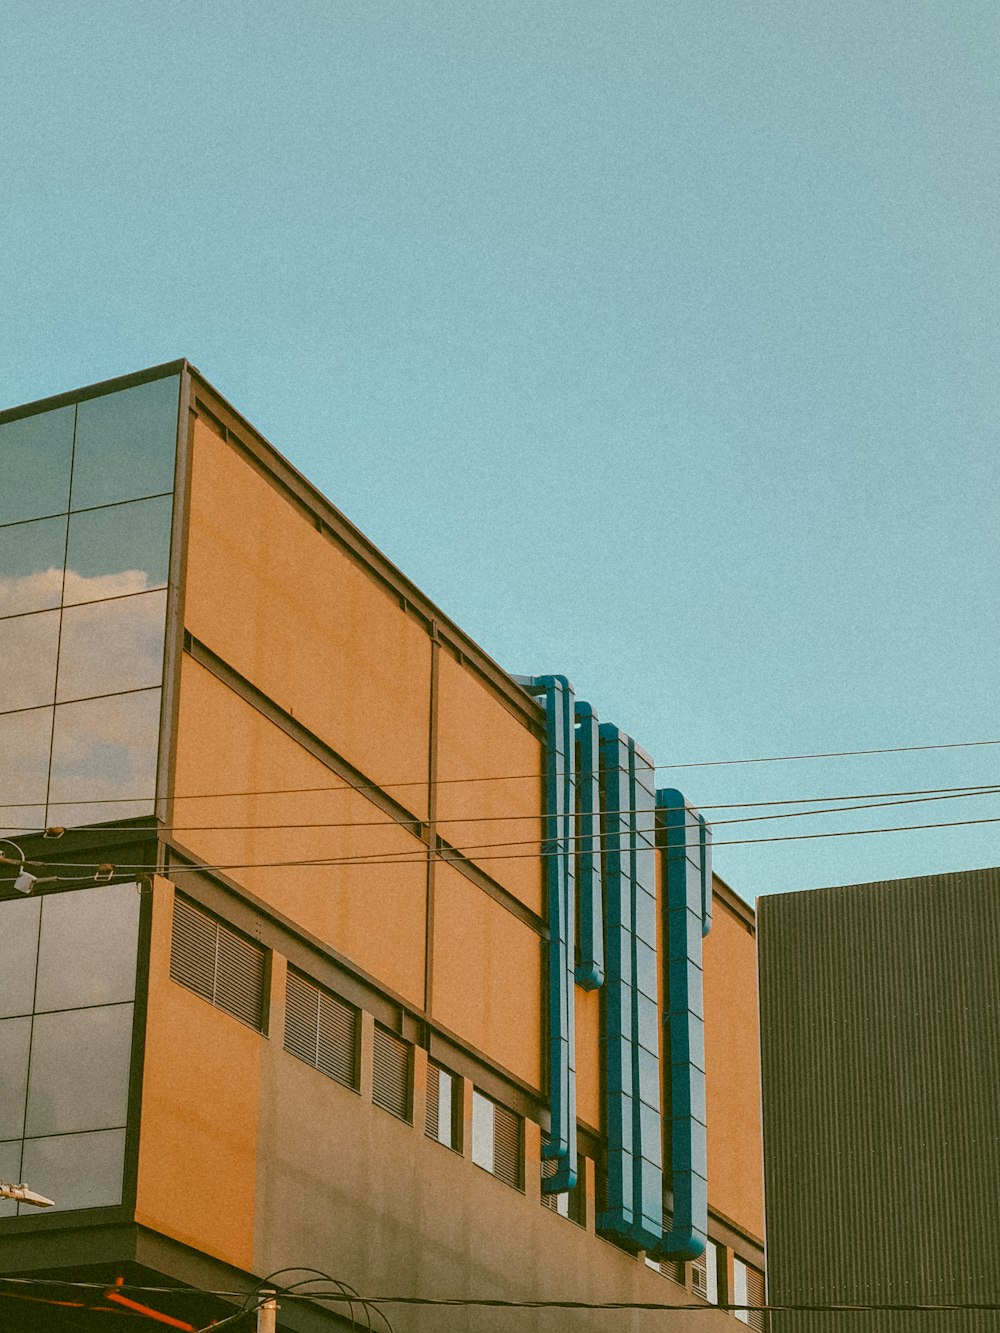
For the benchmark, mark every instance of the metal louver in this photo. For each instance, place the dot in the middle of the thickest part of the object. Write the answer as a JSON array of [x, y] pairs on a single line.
[[755, 1296], [508, 1155], [699, 1277], [391, 1073], [432, 1123], [322, 1030], [212, 960], [671, 1268]]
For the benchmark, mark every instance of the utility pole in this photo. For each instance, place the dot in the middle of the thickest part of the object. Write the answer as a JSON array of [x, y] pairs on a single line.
[[267, 1314]]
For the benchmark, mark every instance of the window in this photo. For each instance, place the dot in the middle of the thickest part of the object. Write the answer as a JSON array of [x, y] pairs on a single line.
[[570, 1203], [391, 1073], [498, 1140], [222, 967], [444, 1107], [705, 1275], [748, 1285], [322, 1030]]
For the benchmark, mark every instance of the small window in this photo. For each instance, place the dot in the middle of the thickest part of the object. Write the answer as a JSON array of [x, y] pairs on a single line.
[[705, 1275], [322, 1030], [444, 1107], [569, 1203], [748, 1286], [498, 1140], [391, 1073], [211, 959]]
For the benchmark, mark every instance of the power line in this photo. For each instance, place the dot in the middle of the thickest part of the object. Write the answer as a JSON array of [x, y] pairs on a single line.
[[915, 797], [419, 857], [501, 777], [345, 1297]]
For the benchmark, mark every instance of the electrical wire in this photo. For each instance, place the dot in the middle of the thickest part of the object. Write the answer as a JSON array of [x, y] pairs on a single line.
[[419, 858], [915, 798], [507, 1304], [504, 777]]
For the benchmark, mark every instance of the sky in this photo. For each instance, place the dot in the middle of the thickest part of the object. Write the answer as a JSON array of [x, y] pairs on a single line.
[[655, 342]]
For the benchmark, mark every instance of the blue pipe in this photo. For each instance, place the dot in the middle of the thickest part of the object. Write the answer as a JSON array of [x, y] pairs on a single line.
[[558, 847]]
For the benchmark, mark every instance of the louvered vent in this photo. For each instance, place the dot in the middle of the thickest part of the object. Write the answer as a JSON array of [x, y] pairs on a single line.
[[699, 1277], [508, 1153], [322, 1030], [391, 1073], [671, 1268], [222, 967], [572, 1203], [432, 1122], [755, 1296]]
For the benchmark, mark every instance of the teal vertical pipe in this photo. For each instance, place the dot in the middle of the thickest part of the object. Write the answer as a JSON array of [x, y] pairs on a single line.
[[559, 860]]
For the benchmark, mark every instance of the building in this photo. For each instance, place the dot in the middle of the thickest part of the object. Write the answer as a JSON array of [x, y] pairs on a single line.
[[880, 1023], [348, 950]]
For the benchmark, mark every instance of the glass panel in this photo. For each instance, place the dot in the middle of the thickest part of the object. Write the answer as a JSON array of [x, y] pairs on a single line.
[[88, 944], [28, 648], [111, 647], [18, 950], [31, 565], [483, 1120], [10, 1173], [122, 549], [15, 1039], [125, 444], [79, 1070], [103, 755], [35, 456], [79, 1171], [24, 743]]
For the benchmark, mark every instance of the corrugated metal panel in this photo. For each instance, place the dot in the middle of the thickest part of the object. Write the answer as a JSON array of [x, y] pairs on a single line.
[[391, 1073], [880, 1026], [508, 1147], [222, 967]]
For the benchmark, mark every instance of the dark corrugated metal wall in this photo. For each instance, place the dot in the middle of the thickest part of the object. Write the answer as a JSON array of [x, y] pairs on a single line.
[[880, 1031]]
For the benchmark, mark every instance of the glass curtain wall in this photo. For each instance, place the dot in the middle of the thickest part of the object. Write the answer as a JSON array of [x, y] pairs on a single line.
[[67, 992], [85, 516]]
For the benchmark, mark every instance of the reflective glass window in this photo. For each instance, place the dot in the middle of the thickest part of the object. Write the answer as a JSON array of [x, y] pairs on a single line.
[[10, 1171], [86, 954], [24, 744], [79, 1070], [75, 1171], [18, 949], [31, 565], [104, 758], [121, 549], [28, 649], [125, 444], [35, 457], [15, 1041], [111, 647]]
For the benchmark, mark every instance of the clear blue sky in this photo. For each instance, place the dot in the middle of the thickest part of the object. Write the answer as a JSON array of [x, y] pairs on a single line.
[[656, 342]]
